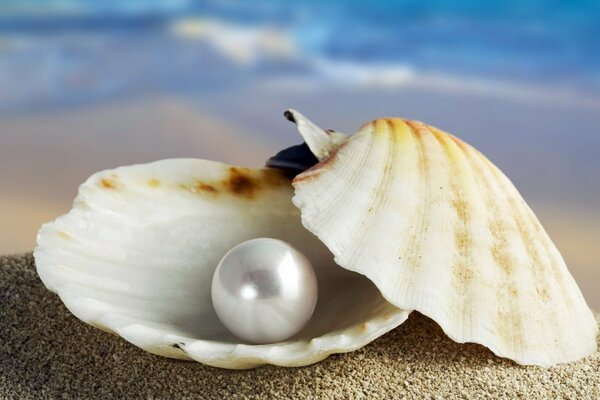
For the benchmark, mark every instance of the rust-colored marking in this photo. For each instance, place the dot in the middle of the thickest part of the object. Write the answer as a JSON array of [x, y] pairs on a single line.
[[240, 182], [63, 235], [419, 129], [508, 323], [458, 142], [464, 275], [245, 182], [510, 327], [537, 263], [394, 130], [413, 260], [513, 291], [274, 177], [502, 258], [108, 183], [198, 187], [394, 127], [366, 125], [82, 204], [462, 209], [463, 241], [315, 171], [206, 187], [154, 182], [363, 327], [543, 293]]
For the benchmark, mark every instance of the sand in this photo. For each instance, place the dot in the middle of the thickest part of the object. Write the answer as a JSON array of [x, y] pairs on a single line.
[[45, 352]]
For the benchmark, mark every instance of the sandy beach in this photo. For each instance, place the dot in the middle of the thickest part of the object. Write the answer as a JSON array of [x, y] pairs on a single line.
[[47, 353]]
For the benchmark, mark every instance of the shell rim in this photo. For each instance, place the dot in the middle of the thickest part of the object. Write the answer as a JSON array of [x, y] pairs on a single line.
[[230, 355]]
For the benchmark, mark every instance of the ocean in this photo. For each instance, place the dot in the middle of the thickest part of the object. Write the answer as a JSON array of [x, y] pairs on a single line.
[[61, 52]]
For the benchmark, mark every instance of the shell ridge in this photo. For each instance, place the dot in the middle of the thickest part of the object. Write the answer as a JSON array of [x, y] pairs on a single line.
[[334, 200], [361, 232], [355, 181], [562, 267], [461, 264], [424, 193], [566, 283], [540, 275], [511, 322], [423, 293]]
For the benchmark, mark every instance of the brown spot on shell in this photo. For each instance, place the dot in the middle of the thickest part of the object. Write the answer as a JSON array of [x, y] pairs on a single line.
[[510, 327], [206, 188], [108, 183], [543, 293], [417, 127], [463, 240], [154, 182], [458, 142], [63, 235], [500, 251], [363, 327], [502, 258], [462, 209], [464, 274], [239, 182], [82, 204], [199, 187]]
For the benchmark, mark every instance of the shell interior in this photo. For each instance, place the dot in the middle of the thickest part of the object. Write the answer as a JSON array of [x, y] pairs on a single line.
[[136, 254]]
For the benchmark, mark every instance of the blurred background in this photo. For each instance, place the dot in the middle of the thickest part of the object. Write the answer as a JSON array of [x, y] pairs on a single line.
[[93, 84]]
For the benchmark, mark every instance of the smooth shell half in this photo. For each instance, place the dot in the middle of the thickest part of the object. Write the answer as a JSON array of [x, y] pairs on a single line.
[[441, 230], [136, 254]]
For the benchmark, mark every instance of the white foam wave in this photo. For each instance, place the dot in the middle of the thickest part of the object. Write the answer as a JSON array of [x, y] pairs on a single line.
[[364, 74], [242, 45], [251, 45], [394, 76]]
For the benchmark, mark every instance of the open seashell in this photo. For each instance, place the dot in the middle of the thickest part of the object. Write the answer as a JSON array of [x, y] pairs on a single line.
[[136, 254], [441, 230]]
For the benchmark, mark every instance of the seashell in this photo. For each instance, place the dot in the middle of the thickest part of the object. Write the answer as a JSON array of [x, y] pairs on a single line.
[[136, 254], [441, 230]]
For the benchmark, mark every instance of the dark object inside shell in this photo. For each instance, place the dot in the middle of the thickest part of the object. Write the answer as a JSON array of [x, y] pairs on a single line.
[[293, 160]]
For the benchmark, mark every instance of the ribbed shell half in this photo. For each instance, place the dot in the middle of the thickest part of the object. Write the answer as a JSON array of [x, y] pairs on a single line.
[[441, 230], [136, 254]]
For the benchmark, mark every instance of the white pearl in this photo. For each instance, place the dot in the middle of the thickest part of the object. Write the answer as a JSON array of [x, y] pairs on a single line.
[[264, 290]]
